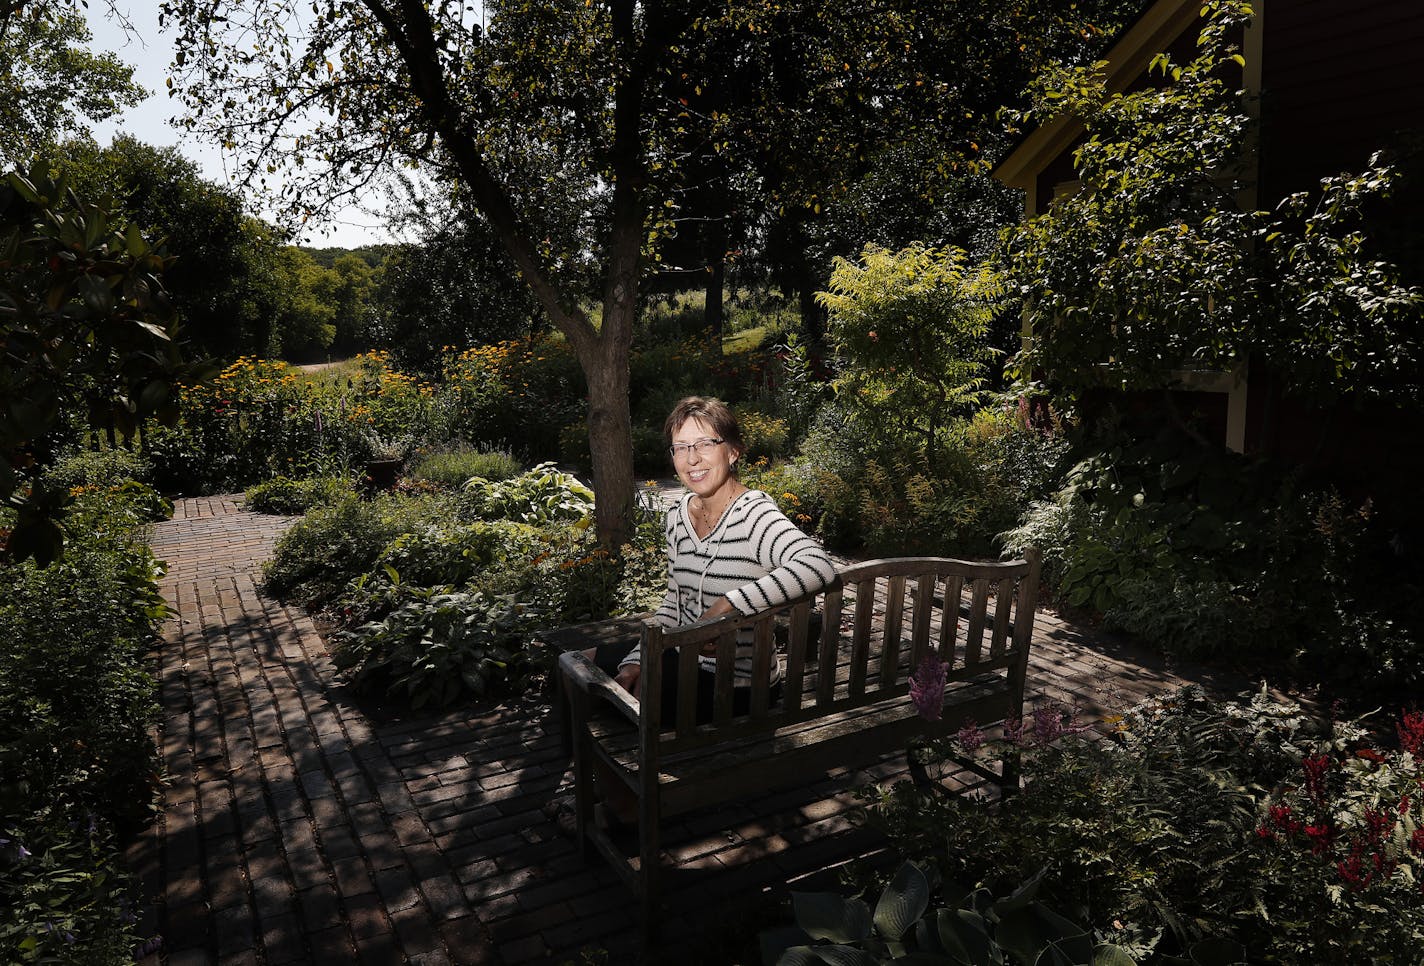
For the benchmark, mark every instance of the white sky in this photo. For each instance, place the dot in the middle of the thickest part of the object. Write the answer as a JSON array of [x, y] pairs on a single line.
[[151, 54]]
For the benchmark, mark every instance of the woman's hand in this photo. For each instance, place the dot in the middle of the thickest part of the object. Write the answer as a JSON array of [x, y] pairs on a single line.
[[630, 676], [719, 607]]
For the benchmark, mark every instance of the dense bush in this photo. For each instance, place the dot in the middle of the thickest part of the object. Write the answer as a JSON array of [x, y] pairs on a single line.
[[316, 558], [863, 491], [515, 395], [437, 596], [259, 419], [1251, 822], [285, 496], [76, 759], [1198, 550], [452, 468]]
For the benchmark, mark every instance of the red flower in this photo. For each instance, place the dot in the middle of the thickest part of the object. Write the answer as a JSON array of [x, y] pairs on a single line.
[[1320, 837], [1416, 842], [1315, 772], [1411, 733]]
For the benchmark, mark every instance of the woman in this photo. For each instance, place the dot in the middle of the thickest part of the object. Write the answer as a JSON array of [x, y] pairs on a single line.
[[729, 549]]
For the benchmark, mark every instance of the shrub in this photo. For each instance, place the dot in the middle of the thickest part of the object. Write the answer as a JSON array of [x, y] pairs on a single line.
[[76, 758], [515, 395], [436, 645], [259, 418], [542, 496], [1156, 832], [288, 497], [766, 436], [454, 468], [908, 924], [869, 492], [1197, 550], [96, 468], [67, 895], [316, 558]]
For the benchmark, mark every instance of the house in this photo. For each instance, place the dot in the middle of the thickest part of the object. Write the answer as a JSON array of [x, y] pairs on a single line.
[[1330, 82]]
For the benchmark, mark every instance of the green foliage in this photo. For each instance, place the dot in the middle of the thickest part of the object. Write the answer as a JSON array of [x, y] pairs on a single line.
[[455, 467], [97, 468], [288, 497], [766, 437], [68, 897], [334, 544], [258, 419], [86, 326], [455, 287], [1154, 834], [212, 280], [77, 760], [1153, 266], [911, 332], [543, 496], [436, 645], [867, 491], [514, 395], [1196, 550], [53, 79], [976, 929]]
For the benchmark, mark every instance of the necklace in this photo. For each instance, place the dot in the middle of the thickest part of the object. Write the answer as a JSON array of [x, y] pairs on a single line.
[[705, 518]]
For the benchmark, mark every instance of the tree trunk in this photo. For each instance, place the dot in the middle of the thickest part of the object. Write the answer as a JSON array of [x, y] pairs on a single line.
[[715, 251], [610, 440]]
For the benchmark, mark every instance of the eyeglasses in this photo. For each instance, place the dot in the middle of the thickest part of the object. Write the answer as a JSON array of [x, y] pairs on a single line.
[[704, 447]]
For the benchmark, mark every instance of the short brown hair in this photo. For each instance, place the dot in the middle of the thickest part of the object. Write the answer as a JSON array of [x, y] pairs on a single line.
[[713, 412]]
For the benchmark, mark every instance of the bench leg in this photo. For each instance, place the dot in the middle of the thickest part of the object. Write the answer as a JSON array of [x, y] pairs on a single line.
[[648, 865], [585, 794]]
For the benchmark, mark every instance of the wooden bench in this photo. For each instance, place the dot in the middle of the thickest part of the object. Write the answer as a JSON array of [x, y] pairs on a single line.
[[844, 697]]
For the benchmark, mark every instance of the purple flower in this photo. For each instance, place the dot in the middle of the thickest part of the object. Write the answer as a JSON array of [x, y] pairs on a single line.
[[1014, 731], [927, 687], [21, 851], [970, 737]]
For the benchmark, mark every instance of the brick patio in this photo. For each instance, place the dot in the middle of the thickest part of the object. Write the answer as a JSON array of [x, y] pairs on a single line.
[[296, 827]]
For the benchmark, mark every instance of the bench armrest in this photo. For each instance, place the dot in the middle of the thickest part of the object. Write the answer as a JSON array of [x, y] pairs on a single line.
[[579, 672]]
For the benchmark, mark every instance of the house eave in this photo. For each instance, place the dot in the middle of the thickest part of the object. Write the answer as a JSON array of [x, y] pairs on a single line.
[[1152, 33]]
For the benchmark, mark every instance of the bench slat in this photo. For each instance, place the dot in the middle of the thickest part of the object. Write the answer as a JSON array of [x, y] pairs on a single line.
[[949, 619], [796, 654], [724, 683], [1003, 603], [830, 641], [860, 641], [974, 637], [890, 640], [924, 613], [762, 656]]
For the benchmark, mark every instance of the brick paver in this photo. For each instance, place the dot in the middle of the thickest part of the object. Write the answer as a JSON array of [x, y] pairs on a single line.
[[297, 828]]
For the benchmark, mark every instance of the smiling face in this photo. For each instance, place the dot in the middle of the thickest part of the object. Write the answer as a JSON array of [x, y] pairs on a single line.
[[703, 474]]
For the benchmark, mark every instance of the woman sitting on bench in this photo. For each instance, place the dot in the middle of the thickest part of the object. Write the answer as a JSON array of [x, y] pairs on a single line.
[[729, 548]]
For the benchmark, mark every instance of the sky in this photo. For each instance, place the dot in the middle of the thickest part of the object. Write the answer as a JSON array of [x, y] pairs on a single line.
[[150, 53]]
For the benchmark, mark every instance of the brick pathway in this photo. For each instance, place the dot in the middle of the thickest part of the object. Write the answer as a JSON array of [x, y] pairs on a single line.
[[295, 828]]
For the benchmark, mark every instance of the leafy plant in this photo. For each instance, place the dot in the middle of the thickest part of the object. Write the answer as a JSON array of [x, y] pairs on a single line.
[[971, 928], [68, 898], [438, 645], [910, 329], [1155, 834], [1196, 550], [332, 545], [541, 496], [455, 467], [289, 497], [1153, 266], [86, 326]]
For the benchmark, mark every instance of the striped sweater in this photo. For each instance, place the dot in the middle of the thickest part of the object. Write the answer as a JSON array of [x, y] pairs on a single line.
[[754, 556]]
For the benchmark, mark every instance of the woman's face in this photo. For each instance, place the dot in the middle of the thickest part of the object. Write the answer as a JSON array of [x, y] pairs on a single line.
[[702, 473]]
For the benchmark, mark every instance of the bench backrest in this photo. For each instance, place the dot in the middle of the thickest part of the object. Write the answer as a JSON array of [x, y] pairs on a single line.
[[878, 622]]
